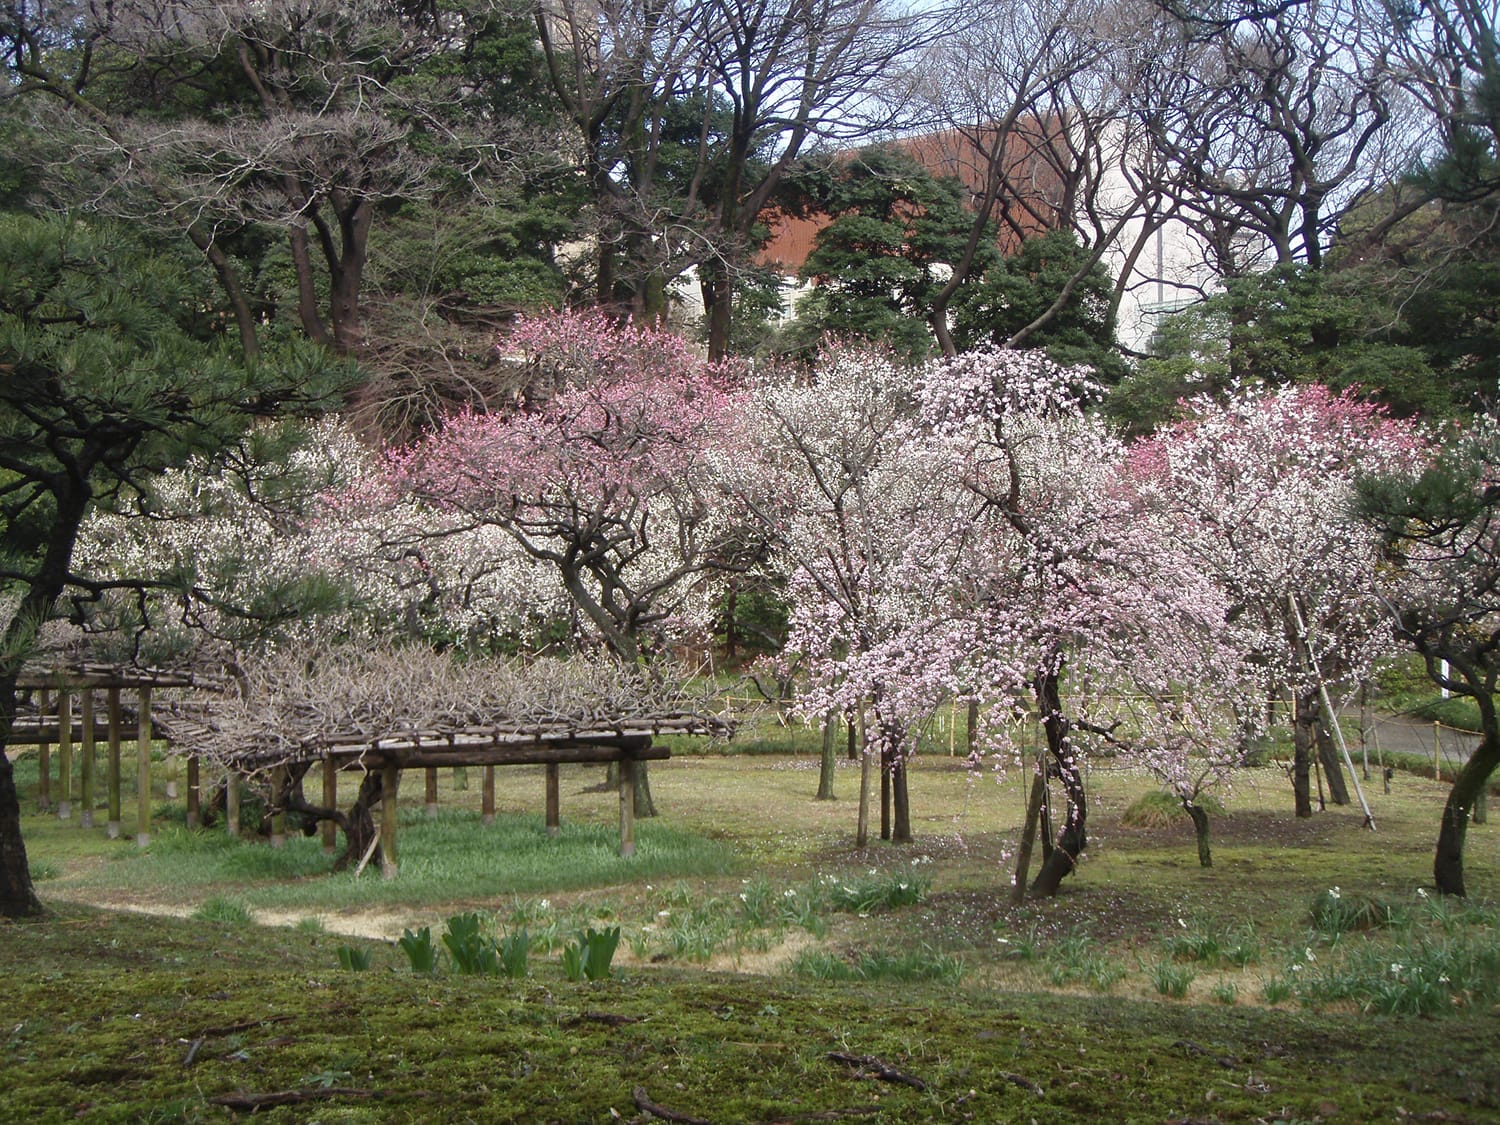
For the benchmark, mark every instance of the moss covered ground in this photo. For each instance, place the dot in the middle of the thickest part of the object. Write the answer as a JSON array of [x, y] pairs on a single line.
[[1149, 990]]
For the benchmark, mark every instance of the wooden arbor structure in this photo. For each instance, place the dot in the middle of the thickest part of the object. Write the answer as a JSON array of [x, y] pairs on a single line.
[[622, 743], [55, 722], [561, 725]]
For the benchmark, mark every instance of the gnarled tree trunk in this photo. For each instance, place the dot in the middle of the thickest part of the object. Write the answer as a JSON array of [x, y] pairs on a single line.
[[1073, 838]]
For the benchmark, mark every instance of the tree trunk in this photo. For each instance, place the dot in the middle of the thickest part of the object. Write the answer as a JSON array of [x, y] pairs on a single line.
[[39, 595], [644, 805], [1073, 838], [901, 798], [1333, 769], [1448, 865], [1028, 837], [359, 825], [17, 895], [718, 307], [885, 792], [1304, 738], [827, 764], [1200, 827]]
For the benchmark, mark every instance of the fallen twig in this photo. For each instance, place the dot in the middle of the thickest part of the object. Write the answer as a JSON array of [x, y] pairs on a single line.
[[192, 1052], [646, 1105], [253, 1102], [1022, 1081], [869, 1064]]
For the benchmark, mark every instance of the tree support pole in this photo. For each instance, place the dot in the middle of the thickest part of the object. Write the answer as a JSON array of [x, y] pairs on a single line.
[[862, 824], [194, 792], [390, 780], [1028, 835], [232, 804], [278, 807], [431, 795], [330, 830], [487, 796], [554, 799], [64, 754], [86, 769], [143, 770], [112, 779], [627, 807], [43, 757], [1333, 718]]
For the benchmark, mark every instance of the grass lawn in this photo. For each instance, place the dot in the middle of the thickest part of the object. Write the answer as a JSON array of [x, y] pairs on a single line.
[[766, 969]]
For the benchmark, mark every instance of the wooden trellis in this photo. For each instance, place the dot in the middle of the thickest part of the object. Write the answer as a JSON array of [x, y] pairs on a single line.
[[591, 739], [54, 724]]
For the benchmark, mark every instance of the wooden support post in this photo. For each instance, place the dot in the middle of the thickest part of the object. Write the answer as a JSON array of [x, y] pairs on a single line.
[[330, 801], [171, 777], [432, 791], [86, 769], [232, 803], [390, 780], [64, 754], [487, 796], [112, 769], [1437, 752], [554, 800], [194, 793], [1028, 834], [43, 757], [143, 771], [627, 807], [278, 807]]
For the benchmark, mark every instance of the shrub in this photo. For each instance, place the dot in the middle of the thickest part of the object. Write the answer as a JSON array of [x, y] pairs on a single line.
[[1336, 912], [874, 892], [513, 950], [1172, 979], [590, 956], [419, 950], [225, 911], [917, 964], [1160, 809], [473, 953]]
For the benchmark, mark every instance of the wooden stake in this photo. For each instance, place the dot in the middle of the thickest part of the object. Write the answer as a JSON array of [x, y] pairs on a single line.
[[554, 799], [862, 826], [432, 804], [143, 772], [232, 804], [194, 793], [43, 757], [64, 755], [112, 769], [330, 801], [627, 806], [487, 796], [1028, 836], [86, 770], [278, 807], [391, 778]]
